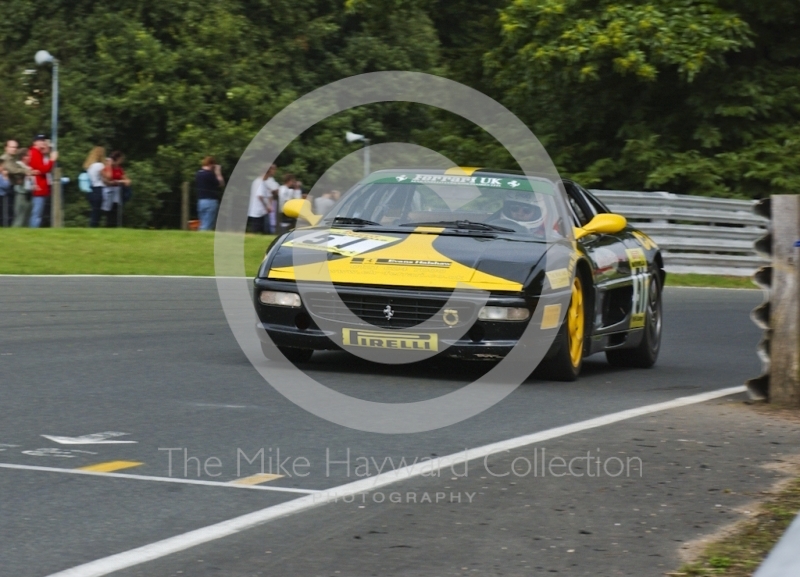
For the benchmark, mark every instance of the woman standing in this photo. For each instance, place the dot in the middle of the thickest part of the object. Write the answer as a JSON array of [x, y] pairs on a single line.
[[94, 165], [208, 184], [114, 179]]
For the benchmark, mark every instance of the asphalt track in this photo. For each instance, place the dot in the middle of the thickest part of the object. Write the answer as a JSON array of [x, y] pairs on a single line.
[[154, 359]]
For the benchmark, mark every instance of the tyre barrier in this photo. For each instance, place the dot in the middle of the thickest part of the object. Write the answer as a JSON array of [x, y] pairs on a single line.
[[758, 387]]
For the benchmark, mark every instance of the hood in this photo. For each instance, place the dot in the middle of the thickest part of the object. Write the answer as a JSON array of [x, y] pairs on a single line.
[[424, 258]]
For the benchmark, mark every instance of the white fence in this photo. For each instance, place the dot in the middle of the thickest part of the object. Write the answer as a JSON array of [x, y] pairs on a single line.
[[696, 234]]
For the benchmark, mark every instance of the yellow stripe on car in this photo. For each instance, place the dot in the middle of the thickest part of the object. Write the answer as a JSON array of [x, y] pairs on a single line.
[[391, 266], [461, 170]]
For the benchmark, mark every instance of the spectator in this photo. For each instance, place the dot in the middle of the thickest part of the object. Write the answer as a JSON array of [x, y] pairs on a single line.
[[271, 194], [116, 189], [41, 167], [22, 200], [209, 184], [5, 192], [288, 191], [94, 165], [15, 174], [325, 202], [259, 208]]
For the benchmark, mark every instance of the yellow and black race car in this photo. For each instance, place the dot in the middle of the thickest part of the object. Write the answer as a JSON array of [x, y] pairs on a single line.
[[463, 263]]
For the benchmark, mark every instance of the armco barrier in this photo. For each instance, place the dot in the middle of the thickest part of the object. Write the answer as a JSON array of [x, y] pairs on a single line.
[[697, 234]]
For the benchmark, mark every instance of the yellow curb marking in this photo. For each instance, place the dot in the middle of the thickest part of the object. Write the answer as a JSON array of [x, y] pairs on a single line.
[[111, 466], [256, 479]]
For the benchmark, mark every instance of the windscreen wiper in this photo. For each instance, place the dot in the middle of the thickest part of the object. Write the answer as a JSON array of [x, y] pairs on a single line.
[[354, 220], [462, 225]]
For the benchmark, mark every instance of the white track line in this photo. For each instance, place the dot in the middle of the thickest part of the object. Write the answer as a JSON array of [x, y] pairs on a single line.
[[226, 528], [159, 479]]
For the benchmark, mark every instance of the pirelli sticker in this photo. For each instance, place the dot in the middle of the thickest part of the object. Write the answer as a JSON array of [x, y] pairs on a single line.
[[401, 341]]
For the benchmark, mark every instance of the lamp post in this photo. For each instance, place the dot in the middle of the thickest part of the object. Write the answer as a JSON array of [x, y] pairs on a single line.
[[44, 57], [353, 137]]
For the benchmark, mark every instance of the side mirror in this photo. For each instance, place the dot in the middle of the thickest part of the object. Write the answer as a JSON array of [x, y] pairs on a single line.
[[299, 208], [602, 224]]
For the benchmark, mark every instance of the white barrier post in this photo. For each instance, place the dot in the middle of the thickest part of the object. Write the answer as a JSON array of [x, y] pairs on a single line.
[[784, 383]]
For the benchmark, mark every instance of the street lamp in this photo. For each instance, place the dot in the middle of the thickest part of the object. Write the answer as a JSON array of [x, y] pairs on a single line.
[[353, 137], [44, 57]]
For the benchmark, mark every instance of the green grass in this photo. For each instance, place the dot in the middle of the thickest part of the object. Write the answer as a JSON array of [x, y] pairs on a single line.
[[117, 251], [707, 280], [168, 252], [741, 552]]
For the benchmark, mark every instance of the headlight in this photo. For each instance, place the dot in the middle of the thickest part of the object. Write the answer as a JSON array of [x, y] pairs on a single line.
[[280, 299], [504, 314]]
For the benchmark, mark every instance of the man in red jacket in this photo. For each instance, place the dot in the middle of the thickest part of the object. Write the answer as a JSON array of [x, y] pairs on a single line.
[[41, 168]]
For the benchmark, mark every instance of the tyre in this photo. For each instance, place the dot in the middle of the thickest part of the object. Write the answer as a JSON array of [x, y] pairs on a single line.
[[645, 355], [566, 364], [291, 354]]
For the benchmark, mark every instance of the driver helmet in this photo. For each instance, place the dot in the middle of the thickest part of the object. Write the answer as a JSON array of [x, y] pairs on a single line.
[[523, 210]]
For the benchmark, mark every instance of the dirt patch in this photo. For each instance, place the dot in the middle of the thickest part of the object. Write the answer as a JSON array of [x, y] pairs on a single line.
[[768, 410], [737, 549]]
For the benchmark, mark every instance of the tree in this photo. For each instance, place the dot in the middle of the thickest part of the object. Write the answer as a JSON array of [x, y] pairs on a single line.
[[694, 96], [169, 81]]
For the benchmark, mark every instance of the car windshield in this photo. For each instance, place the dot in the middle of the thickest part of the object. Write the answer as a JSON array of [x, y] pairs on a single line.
[[515, 207]]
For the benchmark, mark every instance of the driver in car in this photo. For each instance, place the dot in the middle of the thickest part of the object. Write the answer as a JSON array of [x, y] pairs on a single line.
[[522, 213]]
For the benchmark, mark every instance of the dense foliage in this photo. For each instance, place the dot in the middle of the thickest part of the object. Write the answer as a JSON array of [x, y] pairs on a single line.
[[697, 96]]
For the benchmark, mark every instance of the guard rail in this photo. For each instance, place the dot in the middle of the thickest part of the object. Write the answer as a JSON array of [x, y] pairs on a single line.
[[697, 234]]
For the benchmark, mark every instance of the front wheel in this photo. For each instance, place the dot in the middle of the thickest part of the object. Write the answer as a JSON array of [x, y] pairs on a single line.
[[645, 355], [566, 364]]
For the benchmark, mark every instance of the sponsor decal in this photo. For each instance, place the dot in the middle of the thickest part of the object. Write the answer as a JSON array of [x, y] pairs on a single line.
[[517, 183], [559, 278], [450, 317], [344, 242], [462, 180], [637, 320], [390, 340], [550, 316], [641, 286], [636, 258], [401, 262]]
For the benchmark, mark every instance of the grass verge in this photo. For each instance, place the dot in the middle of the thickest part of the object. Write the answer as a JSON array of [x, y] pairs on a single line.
[[741, 552], [708, 280], [169, 252], [117, 251]]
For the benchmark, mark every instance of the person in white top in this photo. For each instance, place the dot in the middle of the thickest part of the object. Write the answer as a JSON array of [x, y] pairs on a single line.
[[271, 188], [94, 165], [325, 202], [259, 206], [288, 191]]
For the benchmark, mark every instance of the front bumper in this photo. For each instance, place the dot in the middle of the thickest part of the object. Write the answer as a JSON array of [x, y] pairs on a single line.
[[317, 326]]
